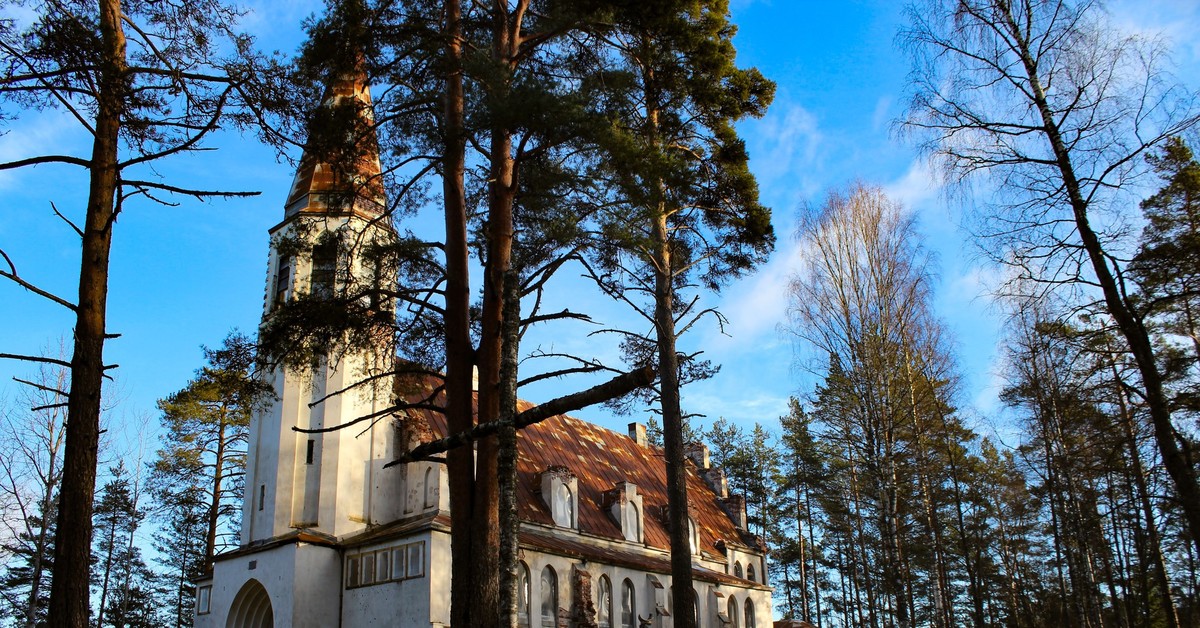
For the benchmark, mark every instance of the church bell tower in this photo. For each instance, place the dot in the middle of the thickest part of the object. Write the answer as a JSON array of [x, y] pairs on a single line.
[[328, 483]]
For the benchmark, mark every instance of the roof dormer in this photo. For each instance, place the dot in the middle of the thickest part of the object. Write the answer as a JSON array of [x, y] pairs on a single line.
[[624, 504], [560, 491]]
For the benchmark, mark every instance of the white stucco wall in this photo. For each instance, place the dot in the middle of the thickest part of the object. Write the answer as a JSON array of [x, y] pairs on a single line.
[[398, 603], [301, 581], [643, 589]]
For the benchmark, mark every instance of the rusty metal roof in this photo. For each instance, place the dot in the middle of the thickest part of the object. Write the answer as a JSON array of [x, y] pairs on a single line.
[[362, 183], [600, 459]]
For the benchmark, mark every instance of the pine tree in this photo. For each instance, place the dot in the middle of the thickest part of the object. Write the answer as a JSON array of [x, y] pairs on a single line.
[[24, 586], [117, 555], [197, 477], [180, 542], [206, 426], [802, 474]]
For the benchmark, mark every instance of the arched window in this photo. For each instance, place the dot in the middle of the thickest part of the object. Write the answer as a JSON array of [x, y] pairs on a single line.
[[633, 523], [523, 595], [749, 614], [750, 573], [732, 611], [604, 603], [430, 489], [549, 597], [628, 605], [564, 506], [737, 569], [696, 606]]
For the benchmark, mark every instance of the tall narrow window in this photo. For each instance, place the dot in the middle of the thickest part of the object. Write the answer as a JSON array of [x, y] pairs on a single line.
[[750, 575], [628, 605], [564, 507], [749, 614], [732, 612], [737, 569], [523, 596], [262, 495], [604, 603], [283, 280], [308, 454], [324, 262], [549, 597], [431, 492]]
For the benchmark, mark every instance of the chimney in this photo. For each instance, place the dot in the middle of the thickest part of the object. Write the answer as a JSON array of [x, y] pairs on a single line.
[[735, 507], [698, 452], [637, 432], [715, 477]]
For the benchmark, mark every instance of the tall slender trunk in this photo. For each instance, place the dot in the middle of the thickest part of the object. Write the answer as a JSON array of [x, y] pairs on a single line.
[[668, 379], [1137, 473], [506, 465], [108, 565], [214, 506], [72, 547], [460, 461], [801, 557], [37, 566], [668, 375], [812, 544]]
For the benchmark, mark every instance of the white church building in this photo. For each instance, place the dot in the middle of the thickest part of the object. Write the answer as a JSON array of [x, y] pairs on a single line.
[[330, 537]]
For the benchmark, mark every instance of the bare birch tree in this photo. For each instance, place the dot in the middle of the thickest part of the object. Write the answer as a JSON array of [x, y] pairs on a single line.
[[1055, 110]]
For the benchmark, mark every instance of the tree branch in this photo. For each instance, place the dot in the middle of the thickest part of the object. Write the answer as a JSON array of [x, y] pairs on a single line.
[[613, 388]]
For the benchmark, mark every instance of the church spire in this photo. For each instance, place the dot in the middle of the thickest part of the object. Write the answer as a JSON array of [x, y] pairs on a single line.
[[340, 179]]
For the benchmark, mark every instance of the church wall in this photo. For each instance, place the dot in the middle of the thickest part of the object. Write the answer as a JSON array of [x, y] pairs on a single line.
[[318, 576], [301, 581], [646, 595], [398, 594]]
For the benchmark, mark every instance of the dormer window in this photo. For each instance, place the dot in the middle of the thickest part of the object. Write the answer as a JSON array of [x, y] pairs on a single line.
[[560, 491], [693, 536], [564, 506], [625, 506]]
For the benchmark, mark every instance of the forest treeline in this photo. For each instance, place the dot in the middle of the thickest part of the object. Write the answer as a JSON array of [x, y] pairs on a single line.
[[886, 502], [157, 522]]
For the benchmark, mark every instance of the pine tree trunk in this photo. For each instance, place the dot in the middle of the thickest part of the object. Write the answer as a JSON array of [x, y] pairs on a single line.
[[668, 378], [214, 506], [460, 463], [69, 586], [1137, 473]]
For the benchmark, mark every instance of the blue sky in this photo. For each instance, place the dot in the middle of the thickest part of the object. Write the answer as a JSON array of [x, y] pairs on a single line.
[[183, 276]]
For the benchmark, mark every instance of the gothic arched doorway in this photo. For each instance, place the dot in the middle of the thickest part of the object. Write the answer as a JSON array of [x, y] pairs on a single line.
[[251, 608]]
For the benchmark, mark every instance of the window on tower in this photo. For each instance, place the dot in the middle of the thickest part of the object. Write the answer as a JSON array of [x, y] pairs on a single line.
[[283, 280], [324, 263]]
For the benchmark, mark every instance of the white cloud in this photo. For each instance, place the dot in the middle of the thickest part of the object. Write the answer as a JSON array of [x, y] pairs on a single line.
[[881, 118], [51, 131], [757, 305], [784, 148], [917, 188]]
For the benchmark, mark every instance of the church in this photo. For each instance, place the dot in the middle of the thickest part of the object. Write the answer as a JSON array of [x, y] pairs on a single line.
[[332, 537]]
